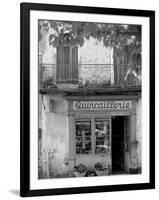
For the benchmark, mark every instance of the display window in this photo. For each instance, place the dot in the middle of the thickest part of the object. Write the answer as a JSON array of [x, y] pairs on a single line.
[[102, 136], [83, 137], [92, 136]]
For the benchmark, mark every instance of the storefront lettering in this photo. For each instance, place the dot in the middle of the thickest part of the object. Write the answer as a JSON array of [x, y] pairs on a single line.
[[102, 105]]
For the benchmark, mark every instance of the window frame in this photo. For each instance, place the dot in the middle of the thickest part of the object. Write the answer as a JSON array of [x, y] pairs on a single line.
[[68, 70], [93, 140], [102, 119], [84, 120]]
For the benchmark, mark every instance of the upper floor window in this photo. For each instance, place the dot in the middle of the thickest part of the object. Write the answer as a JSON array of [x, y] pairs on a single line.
[[67, 64]]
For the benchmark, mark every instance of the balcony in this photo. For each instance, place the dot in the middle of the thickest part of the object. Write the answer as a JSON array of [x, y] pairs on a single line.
[[73, 77]]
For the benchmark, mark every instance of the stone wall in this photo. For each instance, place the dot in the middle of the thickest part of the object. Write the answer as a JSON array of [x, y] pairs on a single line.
[[139, 131]]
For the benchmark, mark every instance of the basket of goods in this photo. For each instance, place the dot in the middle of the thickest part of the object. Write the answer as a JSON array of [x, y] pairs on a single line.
[[102, 168], [80, 170]]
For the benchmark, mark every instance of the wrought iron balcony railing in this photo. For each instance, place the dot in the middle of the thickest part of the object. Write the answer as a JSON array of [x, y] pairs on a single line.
[[88, 76]]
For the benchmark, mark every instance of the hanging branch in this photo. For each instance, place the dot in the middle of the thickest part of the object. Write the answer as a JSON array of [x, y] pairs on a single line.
[[73, 33]]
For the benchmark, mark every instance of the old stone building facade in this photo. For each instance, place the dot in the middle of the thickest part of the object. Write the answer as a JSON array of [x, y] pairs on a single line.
[[89, 109]]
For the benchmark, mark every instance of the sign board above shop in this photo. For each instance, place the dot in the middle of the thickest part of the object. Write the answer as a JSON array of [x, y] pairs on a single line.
[[102, 105]]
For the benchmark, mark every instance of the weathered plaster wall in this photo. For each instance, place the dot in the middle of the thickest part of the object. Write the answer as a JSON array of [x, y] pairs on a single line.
[[136, 139], [97, 60], [48, 53], [54, 132], [139, 131]]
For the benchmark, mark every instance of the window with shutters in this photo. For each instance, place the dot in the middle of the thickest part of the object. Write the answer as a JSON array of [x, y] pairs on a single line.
[[127, 66], [67, 65]]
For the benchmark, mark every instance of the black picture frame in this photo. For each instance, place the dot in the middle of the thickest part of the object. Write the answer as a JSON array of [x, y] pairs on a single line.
[[25, 9]]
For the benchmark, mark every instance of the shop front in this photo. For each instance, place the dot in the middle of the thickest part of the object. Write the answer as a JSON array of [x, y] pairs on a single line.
[[90, 135], [102, 132]]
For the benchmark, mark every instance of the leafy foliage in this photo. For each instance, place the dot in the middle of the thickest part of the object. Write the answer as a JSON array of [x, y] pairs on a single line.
[[74, 33], [102, 166], [80, 168]]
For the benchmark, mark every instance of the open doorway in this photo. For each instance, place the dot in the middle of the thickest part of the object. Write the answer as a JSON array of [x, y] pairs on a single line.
[[117, 144]]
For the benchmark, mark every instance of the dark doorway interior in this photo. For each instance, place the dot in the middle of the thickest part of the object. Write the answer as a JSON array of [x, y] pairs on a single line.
[[117, 144]]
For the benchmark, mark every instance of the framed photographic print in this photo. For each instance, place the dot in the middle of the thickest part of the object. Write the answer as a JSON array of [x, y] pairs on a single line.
[[87, 99]]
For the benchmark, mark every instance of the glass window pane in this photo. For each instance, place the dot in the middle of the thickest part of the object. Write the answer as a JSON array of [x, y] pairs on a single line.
[[83, 137], [102, 143]]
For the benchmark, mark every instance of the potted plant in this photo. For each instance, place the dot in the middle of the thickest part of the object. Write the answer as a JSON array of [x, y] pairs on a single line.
[[102, 168], [135, 167], [80, 170], [135, 170]]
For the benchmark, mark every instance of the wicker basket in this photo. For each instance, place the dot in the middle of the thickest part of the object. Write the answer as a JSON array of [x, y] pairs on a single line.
[[102, 173]]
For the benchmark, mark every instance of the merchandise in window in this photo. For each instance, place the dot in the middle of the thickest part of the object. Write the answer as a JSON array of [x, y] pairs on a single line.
[[102, 136], [83, 137]]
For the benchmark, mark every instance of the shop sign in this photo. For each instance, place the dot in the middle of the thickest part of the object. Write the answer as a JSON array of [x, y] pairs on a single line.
[[102, 105]]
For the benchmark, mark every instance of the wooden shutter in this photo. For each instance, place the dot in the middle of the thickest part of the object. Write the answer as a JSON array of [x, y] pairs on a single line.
[[121, 61], [67, 64], [60, 62], [75, 64], [128, 66], [126, 133], [41, 71]]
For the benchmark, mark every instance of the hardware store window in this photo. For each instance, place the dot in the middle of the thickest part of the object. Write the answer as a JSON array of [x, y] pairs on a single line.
[[83, 137], [102, 136], [92, 136]]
